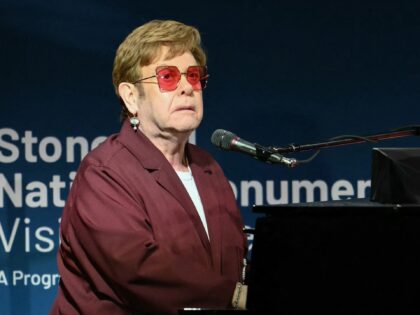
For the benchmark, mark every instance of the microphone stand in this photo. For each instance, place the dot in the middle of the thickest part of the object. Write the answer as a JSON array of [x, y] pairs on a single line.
[[346, 140]]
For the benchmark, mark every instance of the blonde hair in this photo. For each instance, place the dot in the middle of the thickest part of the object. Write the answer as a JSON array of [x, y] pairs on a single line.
[[142, 46]]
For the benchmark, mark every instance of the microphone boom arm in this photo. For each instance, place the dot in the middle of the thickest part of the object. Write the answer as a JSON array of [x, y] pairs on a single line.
[[347, 140]]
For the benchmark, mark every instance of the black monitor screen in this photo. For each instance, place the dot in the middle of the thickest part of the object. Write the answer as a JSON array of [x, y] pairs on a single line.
[[396, 175]]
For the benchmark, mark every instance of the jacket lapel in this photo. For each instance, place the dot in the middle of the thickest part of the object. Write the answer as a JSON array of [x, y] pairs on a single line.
[[205, 181], [169, 180]]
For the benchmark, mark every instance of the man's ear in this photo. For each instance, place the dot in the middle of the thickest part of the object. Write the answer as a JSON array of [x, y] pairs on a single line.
[[129, 95]]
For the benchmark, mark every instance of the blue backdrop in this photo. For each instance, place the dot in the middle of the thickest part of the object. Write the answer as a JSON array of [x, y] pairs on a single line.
[[281, 73]]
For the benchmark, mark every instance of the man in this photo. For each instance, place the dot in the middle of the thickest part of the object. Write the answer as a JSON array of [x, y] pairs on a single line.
[[151, 224]]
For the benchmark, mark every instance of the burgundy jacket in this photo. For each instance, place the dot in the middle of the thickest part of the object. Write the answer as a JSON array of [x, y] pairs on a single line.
[[132, 241]]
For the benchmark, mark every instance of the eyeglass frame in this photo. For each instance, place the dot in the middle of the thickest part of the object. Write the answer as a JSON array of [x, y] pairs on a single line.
[[202, 79]]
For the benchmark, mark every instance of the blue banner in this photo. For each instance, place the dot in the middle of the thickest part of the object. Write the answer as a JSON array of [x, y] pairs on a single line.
[[280, 73]]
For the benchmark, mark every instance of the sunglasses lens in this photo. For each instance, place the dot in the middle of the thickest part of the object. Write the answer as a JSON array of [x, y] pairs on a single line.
[[193, 77], [168, 78], [197, 77]]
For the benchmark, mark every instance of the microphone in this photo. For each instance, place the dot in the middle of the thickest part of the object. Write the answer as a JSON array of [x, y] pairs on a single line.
[[227, 140]]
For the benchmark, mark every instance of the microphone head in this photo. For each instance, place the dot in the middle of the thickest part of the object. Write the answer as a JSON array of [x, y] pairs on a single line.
[[222, 139]]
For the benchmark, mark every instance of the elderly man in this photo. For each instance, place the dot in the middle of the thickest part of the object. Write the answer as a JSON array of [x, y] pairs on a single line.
[[151, 224]]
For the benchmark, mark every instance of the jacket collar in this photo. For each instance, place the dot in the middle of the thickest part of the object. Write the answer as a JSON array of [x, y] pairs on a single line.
[[151, 157]]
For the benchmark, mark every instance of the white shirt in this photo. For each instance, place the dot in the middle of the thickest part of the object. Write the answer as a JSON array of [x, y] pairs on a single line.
[[189, 184]]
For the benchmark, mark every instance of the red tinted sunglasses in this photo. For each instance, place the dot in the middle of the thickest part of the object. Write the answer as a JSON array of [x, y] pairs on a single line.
[[168, 77]]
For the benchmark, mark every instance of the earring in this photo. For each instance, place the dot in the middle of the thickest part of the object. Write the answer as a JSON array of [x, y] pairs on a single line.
[[134, 122]]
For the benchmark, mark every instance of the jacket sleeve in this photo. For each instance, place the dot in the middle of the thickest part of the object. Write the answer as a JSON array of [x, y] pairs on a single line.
[[107, 232]]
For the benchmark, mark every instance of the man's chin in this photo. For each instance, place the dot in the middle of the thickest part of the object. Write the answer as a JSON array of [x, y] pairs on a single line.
[[184, 130], [186, 127]]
